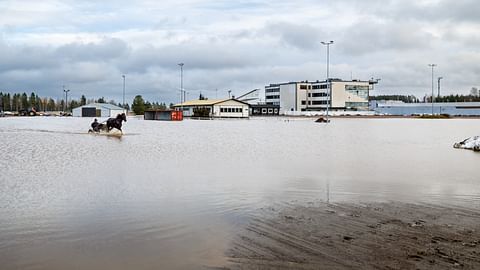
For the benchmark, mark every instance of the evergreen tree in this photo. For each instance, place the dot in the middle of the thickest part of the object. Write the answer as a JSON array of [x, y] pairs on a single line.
[[7, 102], [32, 101], [138, 105], [24, 104], [51, 105], [101, 100], [83, 100]]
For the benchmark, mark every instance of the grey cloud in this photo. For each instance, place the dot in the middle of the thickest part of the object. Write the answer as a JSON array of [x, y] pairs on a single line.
[[107, 49], [25, 57], [370, 37], [305, 37]]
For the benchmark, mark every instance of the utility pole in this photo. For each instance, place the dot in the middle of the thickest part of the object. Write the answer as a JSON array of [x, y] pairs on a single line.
[[181, 85], [66, 98], [438, 84], [123, 93], [433, 97], [329, 83]]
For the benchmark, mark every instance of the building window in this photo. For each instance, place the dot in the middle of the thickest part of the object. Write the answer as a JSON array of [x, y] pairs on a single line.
[[320, 102], [319, 94], [304, 87], [272, 90], [320, 86], [240, 110], [272, 97], [264, 110]]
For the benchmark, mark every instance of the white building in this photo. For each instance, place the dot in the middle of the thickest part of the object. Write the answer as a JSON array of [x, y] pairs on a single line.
[[225, 108], [97, 110], [314, 96]]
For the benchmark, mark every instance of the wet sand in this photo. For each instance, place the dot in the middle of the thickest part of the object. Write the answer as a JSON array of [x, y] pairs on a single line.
[[359, 236]]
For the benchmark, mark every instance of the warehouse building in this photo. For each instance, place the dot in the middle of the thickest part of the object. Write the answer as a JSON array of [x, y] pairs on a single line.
[[407, 109], [97, 110], [222, 108]]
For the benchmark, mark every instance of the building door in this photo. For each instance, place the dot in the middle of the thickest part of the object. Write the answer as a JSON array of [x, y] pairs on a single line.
[[89, 112]]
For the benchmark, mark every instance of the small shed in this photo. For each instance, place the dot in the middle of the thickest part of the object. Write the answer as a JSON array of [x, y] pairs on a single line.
[[164, 115], [97, 110]]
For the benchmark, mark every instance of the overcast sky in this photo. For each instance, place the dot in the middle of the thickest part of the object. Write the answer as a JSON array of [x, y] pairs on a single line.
[[239, 45]]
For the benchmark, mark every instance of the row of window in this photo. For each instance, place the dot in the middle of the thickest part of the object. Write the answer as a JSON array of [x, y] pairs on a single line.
[[320, 86], [356, 104], [265, 111], [317, 94], [315, 102], [360, 93], [356, 87], [316, 86], [231, 110], [272, 97], [272, 90]]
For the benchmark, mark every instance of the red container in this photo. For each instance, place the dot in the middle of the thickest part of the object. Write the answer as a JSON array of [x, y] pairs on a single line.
[[177, 115]]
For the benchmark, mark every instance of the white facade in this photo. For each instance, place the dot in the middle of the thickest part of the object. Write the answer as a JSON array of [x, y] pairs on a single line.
[[314, 96], [101, 109], [222, 108]]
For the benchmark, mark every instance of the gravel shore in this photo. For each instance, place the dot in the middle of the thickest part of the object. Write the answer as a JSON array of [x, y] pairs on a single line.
[[359, 236]]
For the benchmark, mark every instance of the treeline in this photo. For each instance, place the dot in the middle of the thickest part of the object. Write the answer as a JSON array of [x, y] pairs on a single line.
[[458, 98], [22, 101], [404, 98], [139, 105]]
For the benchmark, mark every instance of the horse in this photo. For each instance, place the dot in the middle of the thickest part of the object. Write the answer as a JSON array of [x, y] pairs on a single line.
[[116, 122]]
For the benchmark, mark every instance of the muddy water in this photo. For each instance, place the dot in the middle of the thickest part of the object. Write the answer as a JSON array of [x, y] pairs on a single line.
[[171, 195]]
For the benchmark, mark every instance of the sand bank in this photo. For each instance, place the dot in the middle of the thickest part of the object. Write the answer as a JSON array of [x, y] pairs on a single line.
[[359, 236]]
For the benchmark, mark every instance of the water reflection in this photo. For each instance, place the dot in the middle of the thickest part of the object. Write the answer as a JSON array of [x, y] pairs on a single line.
[[171, 194]]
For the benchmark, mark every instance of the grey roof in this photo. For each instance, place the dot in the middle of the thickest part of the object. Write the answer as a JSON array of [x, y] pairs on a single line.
[[101, 105]]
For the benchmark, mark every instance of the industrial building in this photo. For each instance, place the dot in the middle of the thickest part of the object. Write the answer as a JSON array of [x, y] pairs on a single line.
[[315, 96], [97, 110], [221, 108], [407, 109]]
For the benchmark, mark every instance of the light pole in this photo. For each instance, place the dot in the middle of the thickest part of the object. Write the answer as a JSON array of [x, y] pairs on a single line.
[[328, 43], [181, 85], [438, 84], [66, 98], [123, 104], [433, 97]]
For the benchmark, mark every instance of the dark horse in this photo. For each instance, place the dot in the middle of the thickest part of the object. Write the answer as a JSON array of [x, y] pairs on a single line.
[[116, 122]]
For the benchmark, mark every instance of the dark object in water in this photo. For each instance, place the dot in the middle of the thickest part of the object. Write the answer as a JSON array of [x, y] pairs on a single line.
[[322, 120], [116, 122]]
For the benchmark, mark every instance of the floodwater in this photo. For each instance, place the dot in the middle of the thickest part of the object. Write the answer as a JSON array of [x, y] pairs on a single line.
[[171, 195]]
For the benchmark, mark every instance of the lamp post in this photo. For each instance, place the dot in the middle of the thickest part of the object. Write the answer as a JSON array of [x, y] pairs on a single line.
[[66, 99], [123, 104], [438, 84], [328, 43], [433, 97], [181, 85]]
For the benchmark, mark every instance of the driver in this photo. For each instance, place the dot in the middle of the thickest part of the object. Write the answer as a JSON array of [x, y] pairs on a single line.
[[95, 125]]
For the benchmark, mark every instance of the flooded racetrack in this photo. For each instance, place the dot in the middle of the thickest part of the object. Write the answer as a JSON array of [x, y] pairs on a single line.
[[172, 195]]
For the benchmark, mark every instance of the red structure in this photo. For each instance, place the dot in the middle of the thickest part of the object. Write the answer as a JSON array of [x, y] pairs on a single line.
[[163, 115]]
